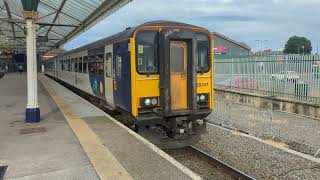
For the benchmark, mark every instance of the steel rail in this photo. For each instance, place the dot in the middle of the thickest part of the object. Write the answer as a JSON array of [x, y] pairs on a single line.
[[216, 162]]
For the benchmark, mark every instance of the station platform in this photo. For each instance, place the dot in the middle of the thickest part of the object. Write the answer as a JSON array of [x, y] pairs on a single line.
[[74, 140]]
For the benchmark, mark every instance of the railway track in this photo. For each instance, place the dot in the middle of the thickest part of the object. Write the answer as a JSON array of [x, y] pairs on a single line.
[[207, 166]]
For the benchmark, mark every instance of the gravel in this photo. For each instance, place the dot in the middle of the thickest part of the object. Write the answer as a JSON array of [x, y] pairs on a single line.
[[198, 165], [302, 133], [257, 159]]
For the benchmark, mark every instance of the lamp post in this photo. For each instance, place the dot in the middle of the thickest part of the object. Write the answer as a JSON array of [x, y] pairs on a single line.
[[261, 43]]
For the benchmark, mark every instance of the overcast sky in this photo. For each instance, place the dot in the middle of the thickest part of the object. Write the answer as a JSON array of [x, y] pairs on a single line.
[[242, 20]]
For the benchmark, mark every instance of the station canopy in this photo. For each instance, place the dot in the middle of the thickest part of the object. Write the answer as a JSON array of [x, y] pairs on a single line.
[[58, 22]]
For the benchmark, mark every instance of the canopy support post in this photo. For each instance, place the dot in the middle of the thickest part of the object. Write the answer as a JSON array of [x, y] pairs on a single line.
[[32, 109]]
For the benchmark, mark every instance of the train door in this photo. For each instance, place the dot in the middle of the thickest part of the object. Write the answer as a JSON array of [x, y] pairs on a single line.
[[122, 76], [109, 74], [96, 71], [178, 75]]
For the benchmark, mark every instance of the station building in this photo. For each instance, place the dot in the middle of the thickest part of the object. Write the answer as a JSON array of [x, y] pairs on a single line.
[[225, 47]]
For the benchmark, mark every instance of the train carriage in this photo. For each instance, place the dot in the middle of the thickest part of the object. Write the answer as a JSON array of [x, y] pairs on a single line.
[[159, 73]]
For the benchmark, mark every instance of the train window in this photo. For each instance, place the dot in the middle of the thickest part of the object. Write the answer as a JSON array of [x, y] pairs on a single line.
[[61, 64], [147, 52], [100, 68], [177, 53], [118, 66], [85, 64], [69, 64], [92, 67], [91, 58], [108, 64], [76, 65], [80, 65], [72, 64], [99, 58], [203, 53]]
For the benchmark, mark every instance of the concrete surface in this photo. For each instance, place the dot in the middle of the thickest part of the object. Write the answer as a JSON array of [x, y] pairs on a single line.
[[54, 154], [271, 103], [103, 161]]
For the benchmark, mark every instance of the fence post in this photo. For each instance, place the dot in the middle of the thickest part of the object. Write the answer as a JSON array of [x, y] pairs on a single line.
[[255, 75], [232, 73], [286, 76]]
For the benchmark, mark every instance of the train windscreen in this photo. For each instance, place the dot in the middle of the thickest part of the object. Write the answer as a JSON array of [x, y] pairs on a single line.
[[203, 52], [147, 58]]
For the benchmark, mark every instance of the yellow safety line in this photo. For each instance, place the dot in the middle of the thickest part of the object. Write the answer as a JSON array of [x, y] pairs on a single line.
[[104, 163]]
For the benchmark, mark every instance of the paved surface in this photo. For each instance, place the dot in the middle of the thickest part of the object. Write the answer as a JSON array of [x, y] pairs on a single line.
[[257, 159], [138, 157], [54, 154]]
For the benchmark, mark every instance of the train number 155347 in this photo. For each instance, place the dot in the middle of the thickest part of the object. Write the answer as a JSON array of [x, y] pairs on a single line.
[[202, 84]]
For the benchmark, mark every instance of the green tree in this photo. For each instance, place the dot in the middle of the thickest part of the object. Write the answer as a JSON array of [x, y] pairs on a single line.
[[298, 45]]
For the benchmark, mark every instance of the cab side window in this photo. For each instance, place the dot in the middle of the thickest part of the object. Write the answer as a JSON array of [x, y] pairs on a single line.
[[147, 52]]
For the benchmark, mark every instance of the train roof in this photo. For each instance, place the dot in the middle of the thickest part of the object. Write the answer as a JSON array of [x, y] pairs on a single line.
[[128, 33]]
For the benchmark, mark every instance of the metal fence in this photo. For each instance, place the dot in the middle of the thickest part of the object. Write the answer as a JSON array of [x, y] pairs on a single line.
[[294, 77], [300, 133]]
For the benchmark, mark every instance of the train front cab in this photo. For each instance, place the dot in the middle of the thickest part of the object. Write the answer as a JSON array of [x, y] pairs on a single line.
[[172, 83]]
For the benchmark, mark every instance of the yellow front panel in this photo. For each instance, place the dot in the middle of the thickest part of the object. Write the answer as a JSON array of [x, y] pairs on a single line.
[[204, 86], [142, 85], [147, 88], [148, 85]]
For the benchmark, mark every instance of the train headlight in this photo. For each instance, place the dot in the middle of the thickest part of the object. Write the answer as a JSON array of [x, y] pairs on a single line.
[[149, 101], [154, 101], [201, 98]]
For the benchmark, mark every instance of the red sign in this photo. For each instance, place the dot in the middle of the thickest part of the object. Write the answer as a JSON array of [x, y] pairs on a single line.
[[221, 50]]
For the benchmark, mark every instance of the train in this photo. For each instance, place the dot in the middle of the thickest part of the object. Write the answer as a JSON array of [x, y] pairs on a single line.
[[158, 74]]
